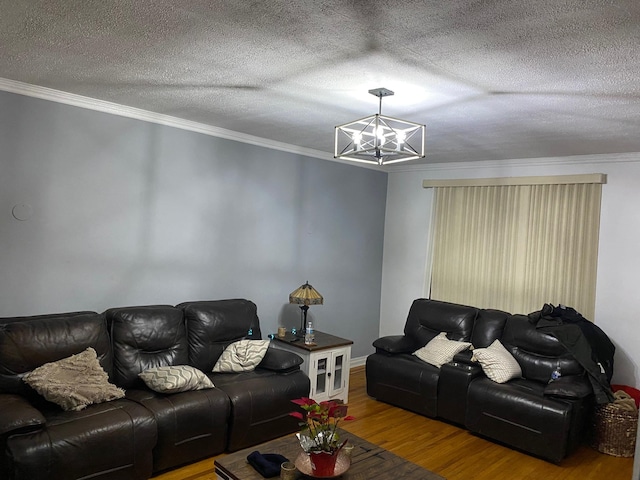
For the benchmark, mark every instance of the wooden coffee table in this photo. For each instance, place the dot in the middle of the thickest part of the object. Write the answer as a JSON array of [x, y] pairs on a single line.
[[369, 461]]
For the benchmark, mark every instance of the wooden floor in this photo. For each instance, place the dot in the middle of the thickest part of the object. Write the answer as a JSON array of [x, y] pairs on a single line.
[[445, 449]]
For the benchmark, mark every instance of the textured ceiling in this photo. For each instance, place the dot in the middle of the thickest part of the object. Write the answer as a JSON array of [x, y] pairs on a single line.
[[490, 79]]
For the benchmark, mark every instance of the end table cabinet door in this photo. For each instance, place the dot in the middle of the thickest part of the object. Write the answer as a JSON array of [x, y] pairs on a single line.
[[329, 374]]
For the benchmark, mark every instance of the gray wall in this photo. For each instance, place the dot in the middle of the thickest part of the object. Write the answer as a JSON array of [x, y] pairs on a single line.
[[127, 212]]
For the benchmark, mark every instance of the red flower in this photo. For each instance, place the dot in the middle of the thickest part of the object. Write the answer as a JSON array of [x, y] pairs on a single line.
[[320, 421], [337, 410], [298, 415], [304, 401], [313, 415]]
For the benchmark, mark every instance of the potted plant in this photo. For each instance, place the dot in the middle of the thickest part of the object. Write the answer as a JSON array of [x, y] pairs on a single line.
[[319, 436]]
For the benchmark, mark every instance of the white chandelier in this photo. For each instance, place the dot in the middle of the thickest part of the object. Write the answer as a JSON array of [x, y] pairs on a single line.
[[378, 139]]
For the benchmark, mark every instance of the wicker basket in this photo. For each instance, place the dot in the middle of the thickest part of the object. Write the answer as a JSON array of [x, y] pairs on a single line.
[[614, 430]]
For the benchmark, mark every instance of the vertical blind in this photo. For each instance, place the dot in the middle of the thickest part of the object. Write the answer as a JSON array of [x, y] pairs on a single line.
[[517, 247]]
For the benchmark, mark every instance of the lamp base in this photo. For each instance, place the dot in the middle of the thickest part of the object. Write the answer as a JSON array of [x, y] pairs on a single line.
[[303, 320]]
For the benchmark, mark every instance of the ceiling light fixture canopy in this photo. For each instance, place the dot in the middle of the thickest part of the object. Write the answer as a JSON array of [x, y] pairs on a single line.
[[379, 139]]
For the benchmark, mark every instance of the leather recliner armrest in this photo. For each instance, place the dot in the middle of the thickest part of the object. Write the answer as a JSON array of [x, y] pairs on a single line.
[[280, 360], [569, 386], [17, 415], [395, 344], [464, 357]]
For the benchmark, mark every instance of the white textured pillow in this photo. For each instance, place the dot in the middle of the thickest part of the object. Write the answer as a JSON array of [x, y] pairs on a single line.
[[440, 350], [497, 363], [74, 382], [175, 378], [241, 356]]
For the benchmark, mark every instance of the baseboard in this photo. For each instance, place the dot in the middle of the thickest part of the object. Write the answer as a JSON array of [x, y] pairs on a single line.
[[358, 362]]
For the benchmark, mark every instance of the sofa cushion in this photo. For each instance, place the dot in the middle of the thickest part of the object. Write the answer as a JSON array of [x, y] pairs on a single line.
[[145, 337], [488, 326], [518, 414], [241, 356], [191, 425], [177, 378], [440, 350], [497, 363], [538, 353], [29, 342], [212, 325], [111, 440], [75, 382], [427, 318], [405, 381], [260, 404]]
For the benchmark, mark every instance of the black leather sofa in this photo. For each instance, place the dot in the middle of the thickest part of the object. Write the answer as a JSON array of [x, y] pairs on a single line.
[[544, 419], [146, 432]]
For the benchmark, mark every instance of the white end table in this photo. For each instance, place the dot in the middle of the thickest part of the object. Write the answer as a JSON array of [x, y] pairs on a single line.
[[326, 363]]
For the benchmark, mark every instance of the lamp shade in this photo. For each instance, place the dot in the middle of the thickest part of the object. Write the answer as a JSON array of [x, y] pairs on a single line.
[[306, 295]]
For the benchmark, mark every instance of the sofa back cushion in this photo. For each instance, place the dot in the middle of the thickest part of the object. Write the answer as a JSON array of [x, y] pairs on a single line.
[[145, 337], [213, 325], [29, 342], [427, 318], [489, 326], [537, 353]]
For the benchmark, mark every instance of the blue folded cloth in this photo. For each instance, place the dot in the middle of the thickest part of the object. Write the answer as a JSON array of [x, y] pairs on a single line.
[[266, 464]]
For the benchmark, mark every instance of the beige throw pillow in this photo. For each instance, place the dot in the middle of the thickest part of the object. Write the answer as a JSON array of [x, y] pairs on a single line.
[[497, 363], [440, 350], [241, 356], [74, 382], [175, 378]]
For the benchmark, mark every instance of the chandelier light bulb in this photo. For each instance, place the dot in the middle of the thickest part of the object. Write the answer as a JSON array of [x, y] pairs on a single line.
[[400, 138]]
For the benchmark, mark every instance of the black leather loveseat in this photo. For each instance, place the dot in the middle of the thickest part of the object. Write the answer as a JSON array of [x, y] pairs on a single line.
[[145, 432], [529, 413]]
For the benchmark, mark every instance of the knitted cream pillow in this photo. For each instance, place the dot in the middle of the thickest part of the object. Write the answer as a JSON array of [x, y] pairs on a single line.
[[74, 382], [497, 363], [440, 350]]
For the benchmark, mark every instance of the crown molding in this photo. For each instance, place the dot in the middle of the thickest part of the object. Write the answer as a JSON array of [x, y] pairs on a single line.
[[58, 96], [633, 157]]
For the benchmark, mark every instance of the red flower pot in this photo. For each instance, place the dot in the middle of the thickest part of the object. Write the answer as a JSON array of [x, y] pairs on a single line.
[[323, 464]]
